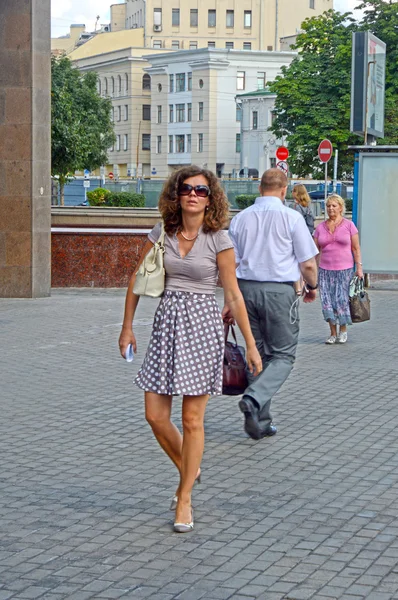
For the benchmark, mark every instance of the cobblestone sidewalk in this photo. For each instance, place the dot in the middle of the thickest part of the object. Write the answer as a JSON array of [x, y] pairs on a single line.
[[84, 489]]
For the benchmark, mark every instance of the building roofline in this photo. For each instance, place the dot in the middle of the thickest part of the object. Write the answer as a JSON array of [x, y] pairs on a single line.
[[256, 93], [179, 55]]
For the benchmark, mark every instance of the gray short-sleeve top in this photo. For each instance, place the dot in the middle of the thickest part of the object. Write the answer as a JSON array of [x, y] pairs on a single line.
[[197, 272]]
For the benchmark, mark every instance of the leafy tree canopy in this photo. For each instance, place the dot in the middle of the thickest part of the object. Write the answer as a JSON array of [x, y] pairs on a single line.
[[314, 91], [82, 130]]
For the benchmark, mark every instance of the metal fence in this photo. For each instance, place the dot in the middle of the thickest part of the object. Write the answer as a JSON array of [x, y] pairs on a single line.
[[151, 188]]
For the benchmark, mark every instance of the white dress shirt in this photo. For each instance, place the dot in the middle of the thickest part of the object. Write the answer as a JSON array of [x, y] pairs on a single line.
[[270, 240]]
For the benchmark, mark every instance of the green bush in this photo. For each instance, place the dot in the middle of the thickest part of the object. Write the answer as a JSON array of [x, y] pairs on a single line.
[[245, 200], [348, 204], [99, 197], [103, 197]]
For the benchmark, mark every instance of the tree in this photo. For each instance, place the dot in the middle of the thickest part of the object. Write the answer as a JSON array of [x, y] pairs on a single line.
[[314, 92], [82, 130]]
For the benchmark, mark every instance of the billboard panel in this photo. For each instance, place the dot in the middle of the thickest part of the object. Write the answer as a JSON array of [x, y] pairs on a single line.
[[378, 212], [368, 84]]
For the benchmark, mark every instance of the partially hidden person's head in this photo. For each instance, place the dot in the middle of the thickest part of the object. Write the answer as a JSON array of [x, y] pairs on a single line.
[[273, 183], [216, 207], [335, 202], [300, 195]]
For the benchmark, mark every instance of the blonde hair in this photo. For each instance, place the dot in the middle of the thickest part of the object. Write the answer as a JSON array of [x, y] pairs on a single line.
[[302, 196], [337, 199]]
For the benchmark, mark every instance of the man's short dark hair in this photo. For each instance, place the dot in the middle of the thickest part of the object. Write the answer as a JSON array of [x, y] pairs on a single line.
[[273, 179]]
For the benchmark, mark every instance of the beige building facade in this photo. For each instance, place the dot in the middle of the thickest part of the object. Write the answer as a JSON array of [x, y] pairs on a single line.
[[67, 43], [117, 58], [231, 24], [195, 118]]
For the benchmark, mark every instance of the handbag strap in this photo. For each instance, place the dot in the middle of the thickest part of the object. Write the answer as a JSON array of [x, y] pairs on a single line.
[[226, 332], [161, 237]]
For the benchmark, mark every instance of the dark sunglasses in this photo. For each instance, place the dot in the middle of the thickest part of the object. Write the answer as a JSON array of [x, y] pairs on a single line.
[[202, 191]]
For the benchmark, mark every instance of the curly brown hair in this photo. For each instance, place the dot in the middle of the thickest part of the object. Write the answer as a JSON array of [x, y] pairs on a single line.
[[215, 218]]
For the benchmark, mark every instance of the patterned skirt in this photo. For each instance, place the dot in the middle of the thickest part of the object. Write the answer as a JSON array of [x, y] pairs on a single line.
[[334, 287], [186, 349]]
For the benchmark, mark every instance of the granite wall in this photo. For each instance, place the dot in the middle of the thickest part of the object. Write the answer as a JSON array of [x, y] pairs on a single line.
[[89, 259], [25, 214]]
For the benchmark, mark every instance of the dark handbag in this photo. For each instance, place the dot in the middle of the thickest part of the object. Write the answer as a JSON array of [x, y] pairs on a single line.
[[234, 367], [359, 301]]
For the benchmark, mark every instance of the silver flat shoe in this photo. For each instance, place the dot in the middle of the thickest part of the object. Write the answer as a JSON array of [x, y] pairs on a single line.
[[184, 527], [174, 501]]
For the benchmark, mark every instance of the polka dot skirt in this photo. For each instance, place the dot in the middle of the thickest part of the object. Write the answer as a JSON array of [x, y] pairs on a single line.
[[186, 349]]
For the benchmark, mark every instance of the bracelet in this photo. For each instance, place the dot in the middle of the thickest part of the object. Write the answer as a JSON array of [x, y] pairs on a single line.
[[359, 264], [310, 287]]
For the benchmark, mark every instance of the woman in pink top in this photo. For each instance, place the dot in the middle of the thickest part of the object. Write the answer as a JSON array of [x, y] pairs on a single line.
[[338, 243]]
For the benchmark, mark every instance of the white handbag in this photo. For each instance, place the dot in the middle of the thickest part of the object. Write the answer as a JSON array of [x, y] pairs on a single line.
[[149, 279]]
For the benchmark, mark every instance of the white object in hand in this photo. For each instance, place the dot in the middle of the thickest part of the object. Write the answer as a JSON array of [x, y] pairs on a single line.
[[129, 353]]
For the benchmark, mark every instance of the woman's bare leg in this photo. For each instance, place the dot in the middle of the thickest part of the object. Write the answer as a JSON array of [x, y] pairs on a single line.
[[193, 413], [333, 329], [157, 413]]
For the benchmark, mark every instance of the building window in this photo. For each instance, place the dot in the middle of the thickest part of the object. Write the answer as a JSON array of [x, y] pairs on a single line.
[[159, 87], [112, 86], [157, 44], [126, 112], [248, 18], [239, 112], [200, 142], [261, 79], [240, 80], [157, 16], [211, 19], [112, 114], [229, 45], [146, 112], [189, 112], [211, 44], [180, 113], [200, 83], [175, 45], [272, 163], [99, 86], [159, 145], [237, 143], [119, 113], [125, 142], [193, 45], [171, 83], [270, 48], [272, 116], [247, 45], [230, 18], [171, 144], [254, 119], [312, 3], [175, 17], [180, 82], [146, 141], [159, 113], [180, 144], [126, 82], [190, 81], [146, 82], [171, 113], [194, 17], [119, 84], [118, 143], [200, 111], [106, 86], [189, 143]]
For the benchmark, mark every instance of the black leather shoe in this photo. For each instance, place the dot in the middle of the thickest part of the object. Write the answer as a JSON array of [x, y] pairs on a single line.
[[250, 411], [270, 430]]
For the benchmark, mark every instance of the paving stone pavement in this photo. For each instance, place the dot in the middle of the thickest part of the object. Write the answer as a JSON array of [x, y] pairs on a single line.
[[84, 489]]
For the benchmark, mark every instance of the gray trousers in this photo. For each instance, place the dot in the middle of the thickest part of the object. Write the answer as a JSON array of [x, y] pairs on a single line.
[[268, 306]]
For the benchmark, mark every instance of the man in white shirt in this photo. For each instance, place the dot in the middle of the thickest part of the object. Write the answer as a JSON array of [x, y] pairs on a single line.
[[273, 249]]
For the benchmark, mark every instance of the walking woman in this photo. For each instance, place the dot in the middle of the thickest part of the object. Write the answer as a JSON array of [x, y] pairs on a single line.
[[302, 203], [338, 243], [186, 348]]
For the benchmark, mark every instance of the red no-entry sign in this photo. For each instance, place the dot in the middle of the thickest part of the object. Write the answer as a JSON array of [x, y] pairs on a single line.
[[282, 153], [110, 175], [325, 151]]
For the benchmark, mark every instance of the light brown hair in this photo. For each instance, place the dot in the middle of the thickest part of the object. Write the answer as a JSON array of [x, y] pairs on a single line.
[[273, 179], [216, 216], [301, 195]]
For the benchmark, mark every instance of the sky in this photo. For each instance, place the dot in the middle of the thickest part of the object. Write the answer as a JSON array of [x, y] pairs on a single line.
[[66, 12]]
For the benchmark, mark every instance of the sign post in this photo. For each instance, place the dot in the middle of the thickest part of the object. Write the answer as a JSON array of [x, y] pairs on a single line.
[[86, 184], [325, 151]]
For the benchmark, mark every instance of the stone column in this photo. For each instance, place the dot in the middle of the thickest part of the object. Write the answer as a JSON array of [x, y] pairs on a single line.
[[25, 149]]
